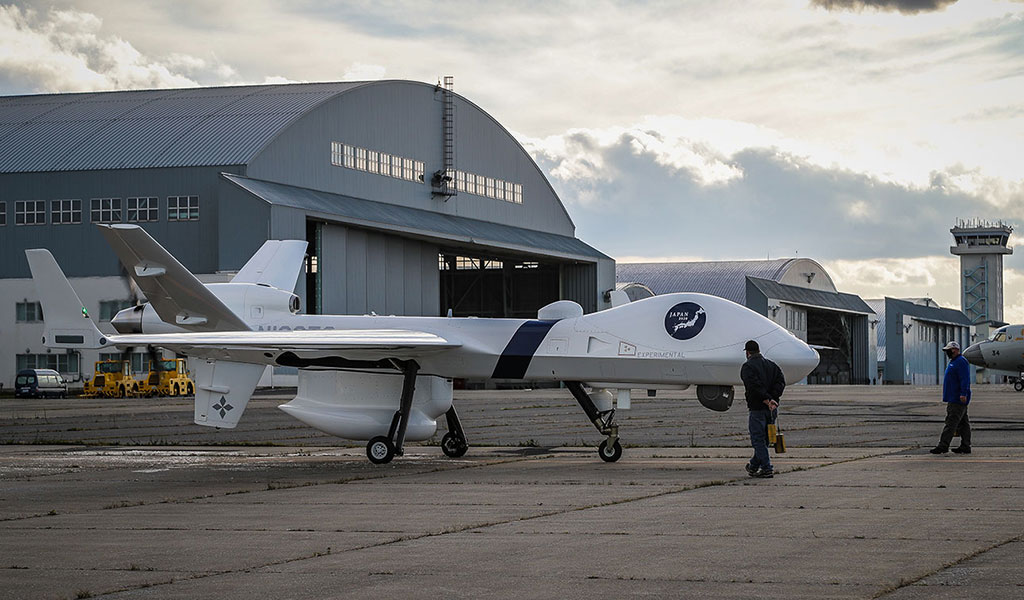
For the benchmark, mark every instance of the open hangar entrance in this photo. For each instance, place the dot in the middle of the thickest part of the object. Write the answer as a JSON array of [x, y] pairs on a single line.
[[835, 324], [506, 286], [356, 270], [842, 351]]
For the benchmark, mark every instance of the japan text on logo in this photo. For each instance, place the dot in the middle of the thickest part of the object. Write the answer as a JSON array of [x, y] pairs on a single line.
[[685, 320]]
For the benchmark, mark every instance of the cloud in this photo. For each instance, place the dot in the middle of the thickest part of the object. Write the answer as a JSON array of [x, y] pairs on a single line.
[[684, 190], [907, 7], [935, 277], [62, 50], [363, 72]]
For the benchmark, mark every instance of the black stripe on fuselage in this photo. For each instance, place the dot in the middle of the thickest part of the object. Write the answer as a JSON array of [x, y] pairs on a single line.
[[515, 358]]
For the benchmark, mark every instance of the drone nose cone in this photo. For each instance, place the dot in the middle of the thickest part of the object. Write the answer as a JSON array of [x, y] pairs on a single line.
[[795, 358], [974, 356]]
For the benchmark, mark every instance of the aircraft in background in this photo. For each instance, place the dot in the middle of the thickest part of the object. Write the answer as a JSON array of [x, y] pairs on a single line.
[[387, 379], [1004, 351]]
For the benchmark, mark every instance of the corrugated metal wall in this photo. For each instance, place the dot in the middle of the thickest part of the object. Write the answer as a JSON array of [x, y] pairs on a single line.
[[861, 369], [80, 249], [404, 118], [364, 271], [579, 284]]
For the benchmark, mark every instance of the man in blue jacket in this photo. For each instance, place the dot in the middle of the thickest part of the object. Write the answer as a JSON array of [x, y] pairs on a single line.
[[956, 393]]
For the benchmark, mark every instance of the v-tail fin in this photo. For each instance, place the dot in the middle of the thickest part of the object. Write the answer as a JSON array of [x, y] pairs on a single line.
[[67, 321]]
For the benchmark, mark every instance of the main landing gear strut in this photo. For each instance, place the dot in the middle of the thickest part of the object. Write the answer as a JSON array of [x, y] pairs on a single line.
[[383, 448], [610, 450]]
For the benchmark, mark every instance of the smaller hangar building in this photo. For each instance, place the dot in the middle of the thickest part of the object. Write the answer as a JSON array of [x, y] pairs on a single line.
[[796, 293], [911, 333]]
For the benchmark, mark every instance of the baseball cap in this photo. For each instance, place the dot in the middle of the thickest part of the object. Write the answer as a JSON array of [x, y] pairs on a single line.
[[751, 346], [951, 345]]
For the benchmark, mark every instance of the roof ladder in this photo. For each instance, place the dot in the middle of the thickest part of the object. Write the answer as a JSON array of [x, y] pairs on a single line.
[[443, 181]]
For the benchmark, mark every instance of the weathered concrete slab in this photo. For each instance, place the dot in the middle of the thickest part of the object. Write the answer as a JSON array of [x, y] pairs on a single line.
[[867, 512], [995, 573]]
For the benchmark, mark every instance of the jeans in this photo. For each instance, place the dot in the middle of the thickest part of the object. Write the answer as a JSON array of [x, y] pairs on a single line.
[[956, 419], [758, 424]]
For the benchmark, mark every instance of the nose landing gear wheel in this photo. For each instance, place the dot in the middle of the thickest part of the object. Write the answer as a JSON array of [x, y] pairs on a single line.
[[453, 446], [380, 450], [609, 454], [1019, 386]]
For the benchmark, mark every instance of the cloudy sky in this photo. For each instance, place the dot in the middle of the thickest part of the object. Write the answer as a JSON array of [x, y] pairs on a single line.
[[853, 132]]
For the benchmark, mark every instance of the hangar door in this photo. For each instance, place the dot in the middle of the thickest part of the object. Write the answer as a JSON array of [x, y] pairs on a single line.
[[351, 271]]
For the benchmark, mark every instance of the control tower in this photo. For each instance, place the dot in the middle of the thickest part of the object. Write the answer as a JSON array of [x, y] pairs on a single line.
[[981, 245]]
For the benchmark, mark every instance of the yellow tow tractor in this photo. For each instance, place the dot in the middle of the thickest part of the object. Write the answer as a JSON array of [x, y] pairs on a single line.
[[111, 379], [168, 377]]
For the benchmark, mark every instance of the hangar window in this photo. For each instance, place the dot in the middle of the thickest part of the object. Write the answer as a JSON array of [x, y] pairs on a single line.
[[490, 187], [105, 210], [28, 312], [374, 161], [3, 214], [63, 212], [143, 210], [183, 208], [140, 361], [109, 308], [30, 212], [62, 363]]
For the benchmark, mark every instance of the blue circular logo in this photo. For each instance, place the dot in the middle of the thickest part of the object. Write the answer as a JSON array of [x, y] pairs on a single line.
[[685, 320]]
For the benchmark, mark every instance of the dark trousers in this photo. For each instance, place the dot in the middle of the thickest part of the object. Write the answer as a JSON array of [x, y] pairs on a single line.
[[757, 423], [956, 420]]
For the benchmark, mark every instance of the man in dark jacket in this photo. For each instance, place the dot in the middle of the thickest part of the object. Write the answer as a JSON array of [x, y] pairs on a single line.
[[956, 393], [760, 378]]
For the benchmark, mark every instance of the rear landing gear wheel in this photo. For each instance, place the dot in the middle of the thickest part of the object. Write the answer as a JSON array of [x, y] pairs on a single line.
[[609, 454], [453, 446], [380, 450], [1019, 386]]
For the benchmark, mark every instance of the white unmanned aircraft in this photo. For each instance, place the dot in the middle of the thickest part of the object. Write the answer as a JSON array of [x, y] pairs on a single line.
[[387, 379], [1003, 351]]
